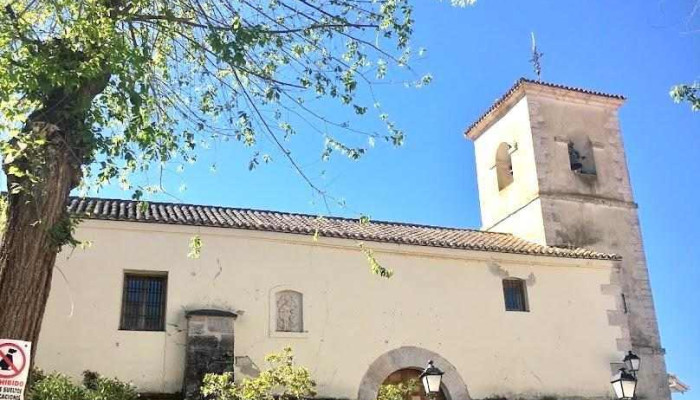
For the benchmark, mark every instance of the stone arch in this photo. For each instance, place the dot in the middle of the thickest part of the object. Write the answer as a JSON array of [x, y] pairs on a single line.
[[411, 357]]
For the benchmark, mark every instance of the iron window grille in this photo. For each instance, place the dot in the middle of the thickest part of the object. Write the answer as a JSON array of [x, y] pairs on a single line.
[[515, 296], [143, 302]]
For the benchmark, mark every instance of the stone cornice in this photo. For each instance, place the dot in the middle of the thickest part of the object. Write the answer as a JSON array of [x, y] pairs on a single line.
[[524, 87]]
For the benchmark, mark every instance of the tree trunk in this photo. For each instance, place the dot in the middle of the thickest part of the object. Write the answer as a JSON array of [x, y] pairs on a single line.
[[29, 247], [38, 223]]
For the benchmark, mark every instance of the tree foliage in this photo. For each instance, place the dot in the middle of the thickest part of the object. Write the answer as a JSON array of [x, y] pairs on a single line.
[[93, 91], [153, 81], [283, 379], [131, 85], [687, 93]]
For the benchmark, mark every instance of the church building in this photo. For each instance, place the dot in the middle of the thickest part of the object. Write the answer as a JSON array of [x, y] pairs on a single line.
[[543, 301]]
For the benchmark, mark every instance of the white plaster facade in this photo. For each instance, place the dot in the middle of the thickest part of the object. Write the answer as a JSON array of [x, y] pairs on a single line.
[[550, 204], [449, 302], [444, 303]]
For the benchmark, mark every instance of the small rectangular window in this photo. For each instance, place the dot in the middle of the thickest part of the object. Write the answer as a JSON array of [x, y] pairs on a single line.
[[143, 302], [515, 295]]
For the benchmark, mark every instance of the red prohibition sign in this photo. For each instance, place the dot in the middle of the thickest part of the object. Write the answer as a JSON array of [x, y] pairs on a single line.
[[15, 367]]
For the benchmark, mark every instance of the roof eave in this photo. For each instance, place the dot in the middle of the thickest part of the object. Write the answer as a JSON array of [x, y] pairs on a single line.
[[500, 108], [523, 87], [551, 252]]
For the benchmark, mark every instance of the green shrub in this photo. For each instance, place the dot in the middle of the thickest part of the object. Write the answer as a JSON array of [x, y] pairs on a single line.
[[111, 389], [35, 376], [399, 391], [282, 380], [56, 386], [94, 387], [90, 379]]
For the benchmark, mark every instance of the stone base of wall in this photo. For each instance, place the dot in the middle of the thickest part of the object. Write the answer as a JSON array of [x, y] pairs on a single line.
[[546, 397], [178, 396]]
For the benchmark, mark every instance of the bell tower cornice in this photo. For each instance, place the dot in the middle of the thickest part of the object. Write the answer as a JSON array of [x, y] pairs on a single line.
[[524, 87]]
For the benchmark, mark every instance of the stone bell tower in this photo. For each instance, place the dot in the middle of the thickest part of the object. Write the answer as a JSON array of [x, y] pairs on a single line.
[[551, 168]]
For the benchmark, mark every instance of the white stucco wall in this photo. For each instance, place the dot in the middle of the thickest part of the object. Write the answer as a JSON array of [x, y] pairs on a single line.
[[566, 208], [498, 206], [447, 301]]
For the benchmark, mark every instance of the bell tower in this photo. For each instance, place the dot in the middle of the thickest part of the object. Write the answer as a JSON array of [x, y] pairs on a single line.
[[551, 168]]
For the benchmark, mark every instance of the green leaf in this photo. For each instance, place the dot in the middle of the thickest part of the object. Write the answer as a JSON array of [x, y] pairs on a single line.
[[689, 93], [15, 171], [195, 247], [375, 267]]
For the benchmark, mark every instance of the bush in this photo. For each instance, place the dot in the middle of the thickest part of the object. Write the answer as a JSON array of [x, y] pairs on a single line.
[[56, 386], [282, 380], [90, 379], [94, 387], [35, 376], [399, 391], [101, 388]]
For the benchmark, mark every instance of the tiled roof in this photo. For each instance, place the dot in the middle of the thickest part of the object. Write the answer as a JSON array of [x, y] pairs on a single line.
[[520, 82], [334, 227]]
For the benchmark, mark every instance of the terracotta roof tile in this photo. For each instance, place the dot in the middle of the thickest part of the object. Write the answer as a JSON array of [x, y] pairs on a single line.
[[519, 83], [344, 228]]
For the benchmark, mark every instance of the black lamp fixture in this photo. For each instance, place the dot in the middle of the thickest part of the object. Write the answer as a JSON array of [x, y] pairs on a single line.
[[431, 379], [632, 363], [624, 384]]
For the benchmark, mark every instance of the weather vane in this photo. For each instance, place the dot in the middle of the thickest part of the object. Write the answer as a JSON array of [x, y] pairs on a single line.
[[536, 58]]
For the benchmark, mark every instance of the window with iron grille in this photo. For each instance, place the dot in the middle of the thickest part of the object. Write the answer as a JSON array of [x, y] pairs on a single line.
[[143, 302], [515, 295]]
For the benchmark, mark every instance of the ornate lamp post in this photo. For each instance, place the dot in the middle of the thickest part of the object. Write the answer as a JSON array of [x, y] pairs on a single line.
[[431, 379], [624, 383]]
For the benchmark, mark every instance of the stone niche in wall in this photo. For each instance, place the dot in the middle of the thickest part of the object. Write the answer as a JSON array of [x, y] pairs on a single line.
[[209, 347]]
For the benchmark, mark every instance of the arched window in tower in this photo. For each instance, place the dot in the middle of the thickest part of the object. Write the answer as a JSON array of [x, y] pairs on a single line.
[[581, 158], [290, 311], [504, 166]]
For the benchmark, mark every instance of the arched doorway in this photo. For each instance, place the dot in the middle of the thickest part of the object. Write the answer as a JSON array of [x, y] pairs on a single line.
[[412, 358], [405, 376]]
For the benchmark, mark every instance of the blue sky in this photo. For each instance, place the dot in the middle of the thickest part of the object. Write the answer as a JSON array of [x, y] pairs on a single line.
[[636, 48]]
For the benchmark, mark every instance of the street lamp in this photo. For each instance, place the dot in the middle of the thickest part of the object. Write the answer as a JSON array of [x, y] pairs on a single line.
[[632, 362], [431, 378], [624, 384]]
